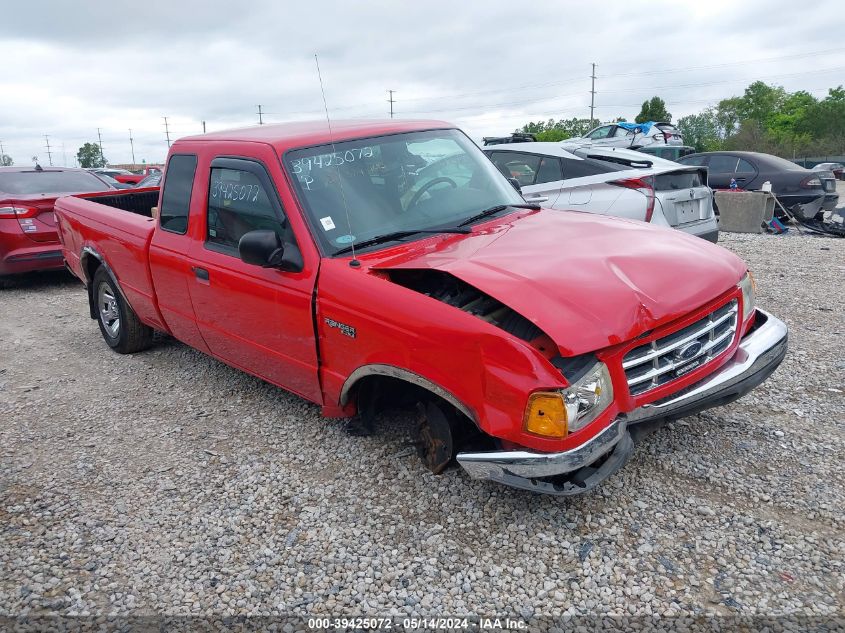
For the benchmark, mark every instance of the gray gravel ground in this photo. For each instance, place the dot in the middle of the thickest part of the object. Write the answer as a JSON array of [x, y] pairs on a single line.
[[166, 482]]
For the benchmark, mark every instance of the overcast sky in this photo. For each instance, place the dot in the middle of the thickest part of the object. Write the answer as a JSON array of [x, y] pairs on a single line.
[[69, 68]]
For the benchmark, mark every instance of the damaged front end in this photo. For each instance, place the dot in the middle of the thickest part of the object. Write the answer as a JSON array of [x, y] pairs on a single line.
[[578, 470]]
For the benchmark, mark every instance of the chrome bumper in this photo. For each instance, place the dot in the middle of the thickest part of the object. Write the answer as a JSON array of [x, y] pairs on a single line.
[[758, 355]]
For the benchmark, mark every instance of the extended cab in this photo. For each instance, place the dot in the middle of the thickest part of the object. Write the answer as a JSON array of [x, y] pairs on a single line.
[[386, 261]]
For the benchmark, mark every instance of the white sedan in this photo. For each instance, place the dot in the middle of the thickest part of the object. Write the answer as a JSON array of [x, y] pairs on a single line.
[[628, 135], [611, 181]]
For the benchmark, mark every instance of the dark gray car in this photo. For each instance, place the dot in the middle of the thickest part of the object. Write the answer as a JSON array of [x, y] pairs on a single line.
[[807, 193]]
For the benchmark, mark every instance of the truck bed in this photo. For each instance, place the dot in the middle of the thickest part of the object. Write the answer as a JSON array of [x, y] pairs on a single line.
[[117, 229]]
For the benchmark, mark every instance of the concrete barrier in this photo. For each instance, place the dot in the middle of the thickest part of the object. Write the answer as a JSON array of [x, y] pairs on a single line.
[[744, 211]]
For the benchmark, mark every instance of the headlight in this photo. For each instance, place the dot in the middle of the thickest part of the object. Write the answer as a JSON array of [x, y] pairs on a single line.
[[556, 413], [748, 287]]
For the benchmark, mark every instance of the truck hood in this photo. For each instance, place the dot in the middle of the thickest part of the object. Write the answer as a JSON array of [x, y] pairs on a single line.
[[588, 281]]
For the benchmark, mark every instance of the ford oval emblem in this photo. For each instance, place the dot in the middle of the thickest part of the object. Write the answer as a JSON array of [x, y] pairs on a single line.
[[688, 351]]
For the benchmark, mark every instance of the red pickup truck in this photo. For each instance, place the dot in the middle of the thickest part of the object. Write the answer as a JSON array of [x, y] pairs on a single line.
[[388, 262]]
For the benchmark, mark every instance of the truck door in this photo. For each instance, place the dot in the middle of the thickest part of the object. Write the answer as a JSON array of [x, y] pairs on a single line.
[[169, 266], [257, 319]]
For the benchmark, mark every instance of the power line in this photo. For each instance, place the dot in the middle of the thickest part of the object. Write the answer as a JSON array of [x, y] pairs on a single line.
[[569, 80], [49, 153], [391, 101], [644, 90], [100, 138]]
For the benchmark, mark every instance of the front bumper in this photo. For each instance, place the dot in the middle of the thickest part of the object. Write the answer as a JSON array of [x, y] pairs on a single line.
[[584, 467]]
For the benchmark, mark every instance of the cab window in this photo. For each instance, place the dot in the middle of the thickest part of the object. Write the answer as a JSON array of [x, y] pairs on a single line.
[[517, 165], [176, 197], [721, 164], [601, 132], [238, 202], [745, 167]]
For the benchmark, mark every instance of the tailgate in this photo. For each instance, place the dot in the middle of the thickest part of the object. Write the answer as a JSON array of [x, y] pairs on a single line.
[[684, 196]]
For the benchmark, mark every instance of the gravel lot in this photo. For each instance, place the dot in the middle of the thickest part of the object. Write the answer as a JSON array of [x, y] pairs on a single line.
[[166, 482]]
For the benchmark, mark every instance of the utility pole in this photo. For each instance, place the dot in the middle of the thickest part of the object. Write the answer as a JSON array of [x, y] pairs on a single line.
[[593, 94], [2, 155], [260, 115], [132, 145], [391, 101], [167, 132], [102, 158], [49, 153], [203, 127]]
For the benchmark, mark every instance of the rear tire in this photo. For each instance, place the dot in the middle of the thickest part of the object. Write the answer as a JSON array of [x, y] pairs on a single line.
[[121, 328]]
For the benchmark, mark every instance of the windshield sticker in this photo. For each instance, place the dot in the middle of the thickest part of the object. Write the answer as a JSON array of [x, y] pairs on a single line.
[[322, 161], [327, 222], [345, 239]]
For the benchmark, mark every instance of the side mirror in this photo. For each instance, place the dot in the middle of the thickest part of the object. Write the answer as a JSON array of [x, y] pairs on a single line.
[[515, 184], [265, 248]]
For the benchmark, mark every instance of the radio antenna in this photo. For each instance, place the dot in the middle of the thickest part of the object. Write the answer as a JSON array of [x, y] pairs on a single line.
[[354, 263]]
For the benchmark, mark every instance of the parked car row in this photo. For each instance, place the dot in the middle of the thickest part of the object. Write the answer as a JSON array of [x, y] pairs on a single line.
[[125, 176]]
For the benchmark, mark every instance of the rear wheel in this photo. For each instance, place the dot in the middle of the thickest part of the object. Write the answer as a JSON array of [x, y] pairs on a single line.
[[121, 328]]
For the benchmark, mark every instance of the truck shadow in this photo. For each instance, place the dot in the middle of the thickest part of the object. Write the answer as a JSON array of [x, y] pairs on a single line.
[[38, 281]]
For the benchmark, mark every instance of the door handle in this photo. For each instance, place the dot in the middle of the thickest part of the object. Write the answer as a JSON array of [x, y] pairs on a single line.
[[740, 179], [201, 273]]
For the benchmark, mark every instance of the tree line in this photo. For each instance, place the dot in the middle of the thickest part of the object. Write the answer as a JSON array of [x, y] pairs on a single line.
[[766, 118]]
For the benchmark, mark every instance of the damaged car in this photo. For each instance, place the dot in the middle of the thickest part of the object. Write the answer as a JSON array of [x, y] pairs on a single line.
[[375, 263]]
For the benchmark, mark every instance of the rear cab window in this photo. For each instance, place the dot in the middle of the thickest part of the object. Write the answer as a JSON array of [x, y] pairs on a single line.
[[176, 196]]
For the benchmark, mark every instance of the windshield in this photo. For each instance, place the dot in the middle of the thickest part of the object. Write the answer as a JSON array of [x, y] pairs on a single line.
[[29, 182], [402, 182]]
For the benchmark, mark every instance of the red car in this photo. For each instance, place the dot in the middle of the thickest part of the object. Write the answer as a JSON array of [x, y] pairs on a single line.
[[530, 343], [28, 237], [123, 176]]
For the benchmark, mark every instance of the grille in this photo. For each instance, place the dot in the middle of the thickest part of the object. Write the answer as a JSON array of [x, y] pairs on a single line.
[[668, 358]]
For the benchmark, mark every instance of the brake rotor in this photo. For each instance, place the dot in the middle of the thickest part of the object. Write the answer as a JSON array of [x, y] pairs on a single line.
[[434, 437]]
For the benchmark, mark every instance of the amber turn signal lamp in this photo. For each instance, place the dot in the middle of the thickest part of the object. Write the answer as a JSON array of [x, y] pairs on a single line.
[[545, 415]]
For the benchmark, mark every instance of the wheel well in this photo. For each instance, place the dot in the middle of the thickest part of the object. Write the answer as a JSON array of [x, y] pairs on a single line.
[[386, 390], [90, 264], [377, 393]]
